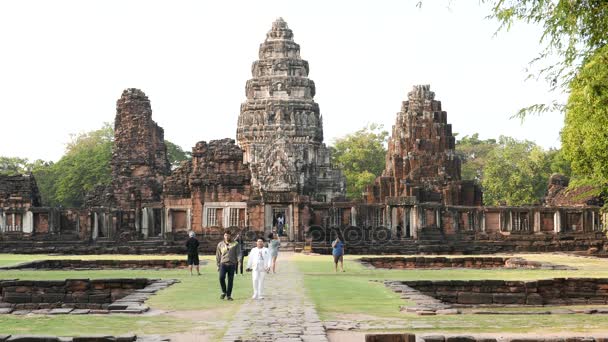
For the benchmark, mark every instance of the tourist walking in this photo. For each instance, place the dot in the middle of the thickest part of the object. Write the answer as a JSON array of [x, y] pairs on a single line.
[[192, 249], [273, 246], [258, 262], [338, 253], [226, 256]]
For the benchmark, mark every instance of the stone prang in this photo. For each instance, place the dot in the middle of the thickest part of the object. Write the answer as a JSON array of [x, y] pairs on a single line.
[[139, 156], [280, 128]]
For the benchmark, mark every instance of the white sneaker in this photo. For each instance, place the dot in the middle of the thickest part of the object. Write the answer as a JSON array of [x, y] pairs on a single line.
[[260, 297], [254, 297]]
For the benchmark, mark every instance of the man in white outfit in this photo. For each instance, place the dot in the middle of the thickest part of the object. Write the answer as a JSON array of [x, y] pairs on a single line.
[[258, 262]]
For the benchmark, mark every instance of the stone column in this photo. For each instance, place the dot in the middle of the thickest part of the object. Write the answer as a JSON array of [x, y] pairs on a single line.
[[438, 218], [168, 221], [138, 219], [189, 219], [353, 216], [145, 224], [414, 221], [394, 221], [27, 222], [557, 222], [289, 221], [267, 218], [483, 220], [95, 230], [163, 222], [510, 222], [537, 222], [2, 221], [593, 220]]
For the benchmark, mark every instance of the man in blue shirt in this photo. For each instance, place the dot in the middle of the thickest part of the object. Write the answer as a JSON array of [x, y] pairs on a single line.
[[338, 253]]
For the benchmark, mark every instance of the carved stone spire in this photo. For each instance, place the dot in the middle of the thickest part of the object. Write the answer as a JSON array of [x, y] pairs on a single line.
[[280, 112]]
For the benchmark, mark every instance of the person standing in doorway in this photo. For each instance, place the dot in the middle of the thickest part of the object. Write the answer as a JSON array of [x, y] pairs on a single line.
[[338, 253], [258, 262], [192, 248], [280, 224], [226, 256], [273, 246]]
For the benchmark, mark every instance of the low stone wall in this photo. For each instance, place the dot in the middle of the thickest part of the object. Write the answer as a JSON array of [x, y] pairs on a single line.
[[99, 264], [63, 296], [475, 244], [457, 262], [472, 338], [557, 291], [85, 338]]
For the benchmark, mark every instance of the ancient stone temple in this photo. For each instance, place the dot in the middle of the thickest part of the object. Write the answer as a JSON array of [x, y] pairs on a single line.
[[280, 128], [421, 162], [278, 171], [139, 156]]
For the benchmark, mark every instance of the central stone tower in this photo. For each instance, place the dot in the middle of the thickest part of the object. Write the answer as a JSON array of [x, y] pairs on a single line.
[[280, 128]]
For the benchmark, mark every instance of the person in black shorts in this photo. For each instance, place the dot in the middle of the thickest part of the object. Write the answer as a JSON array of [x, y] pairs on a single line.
[[192, 247]]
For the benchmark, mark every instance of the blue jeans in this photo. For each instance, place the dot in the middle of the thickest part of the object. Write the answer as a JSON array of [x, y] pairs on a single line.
[[227, 270]]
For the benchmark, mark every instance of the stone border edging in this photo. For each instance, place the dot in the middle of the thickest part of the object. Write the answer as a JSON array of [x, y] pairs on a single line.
[[86, 338], [426, 262], [428, 305], [472, 338], [133, 303], [79, 264]]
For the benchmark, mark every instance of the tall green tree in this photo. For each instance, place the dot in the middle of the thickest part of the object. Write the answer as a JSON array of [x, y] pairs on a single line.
[[516, 173], [14, 166], [361, 156], [474, 153], [573, 31], [176, 154], [585, 132], [85, 164]]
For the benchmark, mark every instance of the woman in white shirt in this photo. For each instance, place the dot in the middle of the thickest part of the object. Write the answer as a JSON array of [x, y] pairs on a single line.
[[258, 263]]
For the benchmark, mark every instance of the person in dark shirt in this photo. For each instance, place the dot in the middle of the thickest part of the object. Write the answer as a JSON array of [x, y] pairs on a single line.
[[192, 247]]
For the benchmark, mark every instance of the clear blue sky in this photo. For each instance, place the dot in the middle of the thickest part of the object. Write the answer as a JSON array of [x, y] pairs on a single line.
[[63, 65]]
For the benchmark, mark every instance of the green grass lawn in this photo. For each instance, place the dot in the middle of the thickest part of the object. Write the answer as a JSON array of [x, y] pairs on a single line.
[[193, 293], [352, 295]]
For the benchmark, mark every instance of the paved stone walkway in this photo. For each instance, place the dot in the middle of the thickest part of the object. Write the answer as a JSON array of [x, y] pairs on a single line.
[[285, 314]]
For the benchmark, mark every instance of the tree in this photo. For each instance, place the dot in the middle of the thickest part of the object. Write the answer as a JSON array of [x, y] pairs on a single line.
[[85, 164], [361, 156], [473, 153], [515, 173], [585, 132], [176, 154], [13, 166], [573, 31]]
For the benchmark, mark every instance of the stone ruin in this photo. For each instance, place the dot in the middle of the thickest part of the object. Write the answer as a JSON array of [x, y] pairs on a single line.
[[279, 167], [421, 162], [280, 127], [558, 193], [19, 191]]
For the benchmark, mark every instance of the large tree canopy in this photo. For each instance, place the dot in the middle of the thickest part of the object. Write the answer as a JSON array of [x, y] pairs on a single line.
[[474, 153], [585, 132], [516, 173], [361, 156], [573, 30]]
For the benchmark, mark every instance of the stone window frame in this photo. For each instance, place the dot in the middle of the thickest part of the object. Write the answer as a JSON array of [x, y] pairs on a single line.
[[223, 220]]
